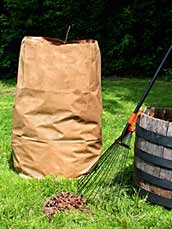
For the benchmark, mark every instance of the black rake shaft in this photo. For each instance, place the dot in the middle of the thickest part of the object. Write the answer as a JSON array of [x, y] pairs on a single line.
[[152, 81], [146, 92]]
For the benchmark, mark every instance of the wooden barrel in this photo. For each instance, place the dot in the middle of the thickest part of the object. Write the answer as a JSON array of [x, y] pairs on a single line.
[[153, 155]]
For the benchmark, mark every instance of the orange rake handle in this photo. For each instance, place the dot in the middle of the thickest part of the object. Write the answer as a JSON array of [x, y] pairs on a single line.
[[132, 120]]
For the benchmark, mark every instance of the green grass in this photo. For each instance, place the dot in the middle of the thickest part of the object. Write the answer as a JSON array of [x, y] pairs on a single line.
[[22, 200]]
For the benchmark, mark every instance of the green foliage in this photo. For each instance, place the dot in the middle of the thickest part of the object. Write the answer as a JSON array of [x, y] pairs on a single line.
[[132, 34]]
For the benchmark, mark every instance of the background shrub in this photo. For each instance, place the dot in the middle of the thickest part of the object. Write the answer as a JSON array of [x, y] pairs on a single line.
[[132, 34]]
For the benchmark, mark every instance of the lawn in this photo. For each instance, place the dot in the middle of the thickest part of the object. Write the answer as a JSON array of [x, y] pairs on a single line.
[[22, 200]]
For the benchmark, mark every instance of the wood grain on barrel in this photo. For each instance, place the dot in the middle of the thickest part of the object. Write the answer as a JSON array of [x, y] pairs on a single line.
[[149, 147], [154, 189], [157, 121], [153, 124]]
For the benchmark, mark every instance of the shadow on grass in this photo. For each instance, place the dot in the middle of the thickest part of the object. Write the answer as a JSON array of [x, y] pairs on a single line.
[[124, 180], [11, 163], [111, 106], [8, 83]]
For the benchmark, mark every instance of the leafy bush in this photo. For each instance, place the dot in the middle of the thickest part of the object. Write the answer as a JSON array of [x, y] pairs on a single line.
[[132, 35]]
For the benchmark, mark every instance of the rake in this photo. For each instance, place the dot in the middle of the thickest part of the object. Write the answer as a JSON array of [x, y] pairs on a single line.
[[104, 179]]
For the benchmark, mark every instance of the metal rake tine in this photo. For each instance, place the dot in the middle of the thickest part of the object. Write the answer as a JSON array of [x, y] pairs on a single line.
[[112, 192], [91, 180], [84, 180], [89, 176], [91, 186], [101, 159], [106, 173], [95, 173], [81, 180], [120, 177], [93, 177], [124, 157], [118, 168]]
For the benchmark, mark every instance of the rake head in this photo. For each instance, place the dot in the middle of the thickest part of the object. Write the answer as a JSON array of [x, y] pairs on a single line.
[[104, 180]]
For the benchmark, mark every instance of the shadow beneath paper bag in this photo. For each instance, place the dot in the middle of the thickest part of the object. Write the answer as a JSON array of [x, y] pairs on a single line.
[[11, 162]]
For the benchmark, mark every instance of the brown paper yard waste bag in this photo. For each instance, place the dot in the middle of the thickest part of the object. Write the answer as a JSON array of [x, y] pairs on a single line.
[[57, 111]]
